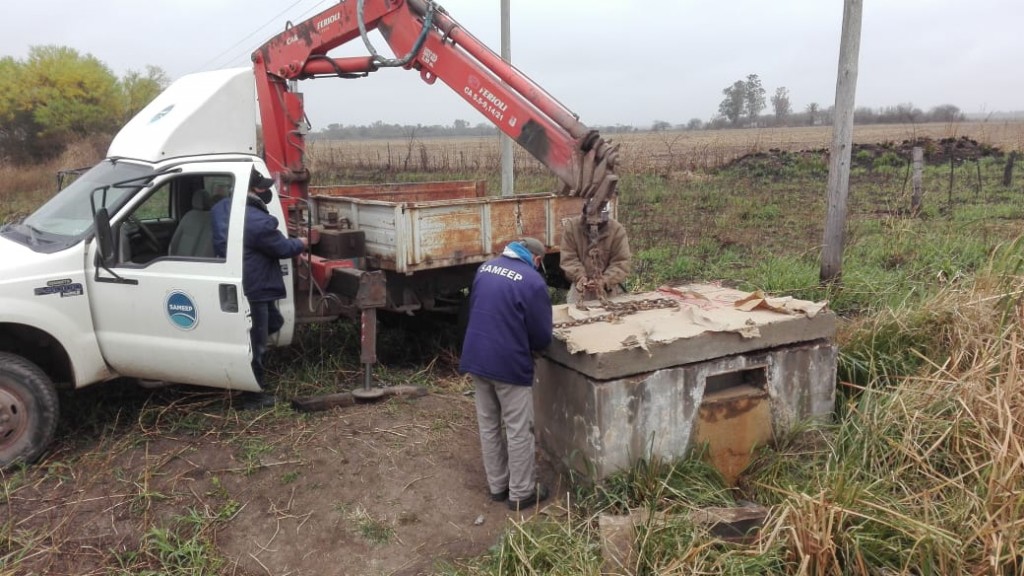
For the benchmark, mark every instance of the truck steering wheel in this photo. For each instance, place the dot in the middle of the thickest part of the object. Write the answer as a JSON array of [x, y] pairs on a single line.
[[151, 240]]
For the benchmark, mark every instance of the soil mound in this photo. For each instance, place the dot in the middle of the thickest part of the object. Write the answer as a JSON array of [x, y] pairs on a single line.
[[871, 156]]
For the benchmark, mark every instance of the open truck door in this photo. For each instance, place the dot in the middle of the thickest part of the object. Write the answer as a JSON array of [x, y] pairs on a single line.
[[165, 307]]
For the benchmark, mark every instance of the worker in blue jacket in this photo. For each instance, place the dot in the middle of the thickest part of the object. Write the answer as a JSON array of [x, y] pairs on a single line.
[[509, 321], [264, 246]]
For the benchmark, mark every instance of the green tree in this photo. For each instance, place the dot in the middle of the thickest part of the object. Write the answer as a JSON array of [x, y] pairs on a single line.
[[661, 126], [138, 90], [780, 102], [812, 113], [71, 94], [57, 95], [16, 123], [753, 97], [946, 113], [731, 107]]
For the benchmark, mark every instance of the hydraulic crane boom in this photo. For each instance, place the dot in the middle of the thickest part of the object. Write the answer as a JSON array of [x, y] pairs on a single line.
[[438, 48]]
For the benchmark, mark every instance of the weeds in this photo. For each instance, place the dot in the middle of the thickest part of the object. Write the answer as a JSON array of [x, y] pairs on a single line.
[[920, 477], [377, 531], [184, 548], [921, 471], [251, 451]]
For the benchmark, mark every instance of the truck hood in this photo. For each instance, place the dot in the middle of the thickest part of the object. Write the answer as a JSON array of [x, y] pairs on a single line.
[[205, 113], [18, 262]]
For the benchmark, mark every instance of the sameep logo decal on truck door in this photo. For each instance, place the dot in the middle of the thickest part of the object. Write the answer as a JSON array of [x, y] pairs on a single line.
[[181, 311]]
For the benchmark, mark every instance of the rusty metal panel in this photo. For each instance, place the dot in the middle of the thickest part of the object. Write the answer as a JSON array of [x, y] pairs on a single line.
[[514, 218], [733, 422], [405, 192], [424, 232], [445, 234]]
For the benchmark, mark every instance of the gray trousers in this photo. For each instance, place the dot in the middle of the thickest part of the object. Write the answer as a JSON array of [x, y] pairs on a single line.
[[509, 456]]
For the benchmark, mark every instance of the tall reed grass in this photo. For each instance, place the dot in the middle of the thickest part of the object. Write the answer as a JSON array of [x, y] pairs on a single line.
[[920, 473]]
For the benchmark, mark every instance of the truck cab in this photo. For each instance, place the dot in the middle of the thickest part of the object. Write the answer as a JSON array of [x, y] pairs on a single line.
[[115, 276]]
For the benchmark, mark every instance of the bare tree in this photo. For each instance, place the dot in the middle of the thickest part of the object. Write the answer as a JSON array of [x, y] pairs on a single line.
[[669, 140], [780, 103], [410, 133]]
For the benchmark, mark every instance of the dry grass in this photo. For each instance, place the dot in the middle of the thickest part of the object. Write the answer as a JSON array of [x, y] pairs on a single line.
[[927, 477], [25, 188], [641, 151]]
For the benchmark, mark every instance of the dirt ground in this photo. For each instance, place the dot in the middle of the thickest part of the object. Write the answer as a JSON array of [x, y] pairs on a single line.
[[389, 488]]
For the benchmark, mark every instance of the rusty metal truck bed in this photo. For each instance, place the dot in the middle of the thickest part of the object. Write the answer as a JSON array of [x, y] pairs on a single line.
[[412, 227]]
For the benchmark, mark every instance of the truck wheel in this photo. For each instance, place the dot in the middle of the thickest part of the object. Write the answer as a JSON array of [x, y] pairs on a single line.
[[28, 410]]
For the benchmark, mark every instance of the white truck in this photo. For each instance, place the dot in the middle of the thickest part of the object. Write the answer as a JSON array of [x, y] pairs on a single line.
[[115, 275]]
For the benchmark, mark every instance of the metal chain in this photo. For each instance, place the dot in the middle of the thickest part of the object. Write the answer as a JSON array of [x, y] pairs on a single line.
[[616, 310]]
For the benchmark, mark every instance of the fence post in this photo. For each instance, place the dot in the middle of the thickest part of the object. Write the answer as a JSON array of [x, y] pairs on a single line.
[[1008, 171], [915, 198], [951, 166]]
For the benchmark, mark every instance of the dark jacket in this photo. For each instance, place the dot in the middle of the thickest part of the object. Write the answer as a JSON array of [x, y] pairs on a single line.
[[220, 214], [509, 319], [264, 248]]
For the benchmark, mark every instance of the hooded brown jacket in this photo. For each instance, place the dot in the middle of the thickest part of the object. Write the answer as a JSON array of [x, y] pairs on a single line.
[[611, 239]]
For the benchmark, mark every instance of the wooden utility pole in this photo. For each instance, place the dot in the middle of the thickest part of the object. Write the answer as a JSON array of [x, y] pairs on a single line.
[[507, 169], [915, 198], [842, 141]]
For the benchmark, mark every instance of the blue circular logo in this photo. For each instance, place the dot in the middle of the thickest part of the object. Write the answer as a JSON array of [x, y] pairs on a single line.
[[181, 310]]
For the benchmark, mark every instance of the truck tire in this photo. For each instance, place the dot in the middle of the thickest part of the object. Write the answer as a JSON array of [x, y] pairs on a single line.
[[28, 410]]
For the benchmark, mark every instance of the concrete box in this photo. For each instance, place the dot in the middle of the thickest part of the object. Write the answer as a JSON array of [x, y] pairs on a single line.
[[654, 382]]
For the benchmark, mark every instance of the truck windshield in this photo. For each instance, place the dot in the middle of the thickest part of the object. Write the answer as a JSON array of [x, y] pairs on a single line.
[[67, 217]]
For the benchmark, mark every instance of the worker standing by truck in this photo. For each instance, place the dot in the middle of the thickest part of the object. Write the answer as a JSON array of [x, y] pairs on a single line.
[[96, 247], [509, 321], [611, 253], [262, 283]]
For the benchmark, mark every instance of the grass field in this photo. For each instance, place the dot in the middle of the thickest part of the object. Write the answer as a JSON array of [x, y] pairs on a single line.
[[642, 151], [921, 471]]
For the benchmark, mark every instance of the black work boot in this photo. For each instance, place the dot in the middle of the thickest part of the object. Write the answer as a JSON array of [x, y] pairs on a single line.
[[539, 495]]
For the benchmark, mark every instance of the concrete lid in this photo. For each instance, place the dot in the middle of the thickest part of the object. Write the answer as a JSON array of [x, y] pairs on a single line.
[[702, 322]]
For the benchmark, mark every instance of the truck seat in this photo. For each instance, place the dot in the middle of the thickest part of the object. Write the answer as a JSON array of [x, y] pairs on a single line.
[[194, 235]]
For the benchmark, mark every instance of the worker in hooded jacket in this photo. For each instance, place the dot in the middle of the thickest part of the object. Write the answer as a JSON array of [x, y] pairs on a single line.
[[510, 319], [614, 257], [264, 246]]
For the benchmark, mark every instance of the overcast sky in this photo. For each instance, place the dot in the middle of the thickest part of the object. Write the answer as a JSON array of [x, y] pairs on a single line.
[[610, 61]]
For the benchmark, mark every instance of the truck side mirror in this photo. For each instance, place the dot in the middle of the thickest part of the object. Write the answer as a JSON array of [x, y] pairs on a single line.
[[104, 236]]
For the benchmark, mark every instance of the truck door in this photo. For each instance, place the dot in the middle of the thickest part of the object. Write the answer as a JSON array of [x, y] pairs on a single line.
[[169, 308]]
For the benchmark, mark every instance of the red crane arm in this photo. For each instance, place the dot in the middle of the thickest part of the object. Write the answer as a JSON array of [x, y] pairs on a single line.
[[520, 108]]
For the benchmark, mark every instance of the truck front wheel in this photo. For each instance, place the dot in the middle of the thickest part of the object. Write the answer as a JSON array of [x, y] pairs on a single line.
[[28, 410]]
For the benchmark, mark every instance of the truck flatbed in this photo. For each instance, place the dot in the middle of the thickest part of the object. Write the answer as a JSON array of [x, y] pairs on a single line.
[[414, 227]]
